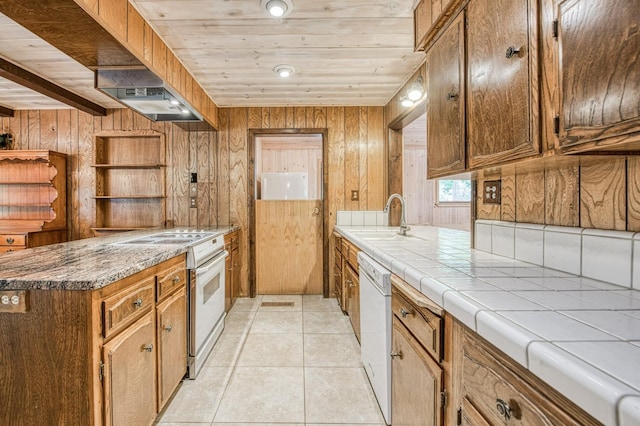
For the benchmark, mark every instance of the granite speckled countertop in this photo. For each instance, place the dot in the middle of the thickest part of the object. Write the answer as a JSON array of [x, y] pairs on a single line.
[[86, 264], [580, 335]]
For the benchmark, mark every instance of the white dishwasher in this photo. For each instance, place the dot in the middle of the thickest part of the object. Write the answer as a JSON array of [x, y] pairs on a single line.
[[375, 329]]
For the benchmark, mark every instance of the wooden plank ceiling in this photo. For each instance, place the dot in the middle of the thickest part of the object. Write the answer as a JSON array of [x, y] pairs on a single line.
[[345, 52]]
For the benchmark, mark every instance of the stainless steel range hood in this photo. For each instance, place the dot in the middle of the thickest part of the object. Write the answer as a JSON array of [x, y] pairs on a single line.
[[144, 92]]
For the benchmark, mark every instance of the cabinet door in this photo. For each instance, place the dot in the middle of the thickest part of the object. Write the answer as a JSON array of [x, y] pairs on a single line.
[[469, 416], [353, 305], [501, 396], [235, 275], [172, 344], [599, 72], [416, 382], [502, 85], [228, 271], [130, 375], [445, 104]]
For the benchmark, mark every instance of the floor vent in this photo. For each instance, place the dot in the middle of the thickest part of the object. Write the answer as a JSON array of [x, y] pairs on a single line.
[[274, 304]]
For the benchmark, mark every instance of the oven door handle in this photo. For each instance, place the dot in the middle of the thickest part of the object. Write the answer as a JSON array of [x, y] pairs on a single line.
[[212, 263]]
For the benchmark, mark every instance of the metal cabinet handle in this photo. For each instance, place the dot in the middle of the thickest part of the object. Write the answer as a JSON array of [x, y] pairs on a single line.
[[176, 279], [168, 328], [404, 312], [9, 250], [10, 240], [503, 409], [137, 303], [395, 355], [350, 283], [148, 347], [451, 96], [512, 51], [316, 211]]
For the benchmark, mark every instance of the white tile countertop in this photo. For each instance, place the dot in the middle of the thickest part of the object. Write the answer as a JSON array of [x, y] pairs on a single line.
[[580, 335]]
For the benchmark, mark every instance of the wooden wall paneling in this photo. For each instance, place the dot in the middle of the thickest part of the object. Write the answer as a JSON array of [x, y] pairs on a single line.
[[135, 31], [316, 117], [351, 156], [113, 14], [49, 129], [64, 144], [224, 206], [238, 125], [24, 130], [33, 125], [214, 177], [335, 163], [278, 118], [170, 202], [266, 118], [562, 196], [363, 157], [127, 119], [602, 194], [86, 175], [508, 200], [105, 123], [375, 161], [300, 117], [394, 161], [204, 179], [192, 138], [633, 194], [181, 177], [160, 58], [289, 118], [254, 117], [530, 197]]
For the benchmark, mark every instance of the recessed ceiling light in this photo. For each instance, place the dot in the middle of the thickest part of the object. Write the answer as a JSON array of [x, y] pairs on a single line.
[[277, 8], [284, 71]]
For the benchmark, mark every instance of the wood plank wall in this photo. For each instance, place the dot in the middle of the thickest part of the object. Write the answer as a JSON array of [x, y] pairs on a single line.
[[71, 132], [588, 192], [355, 148]]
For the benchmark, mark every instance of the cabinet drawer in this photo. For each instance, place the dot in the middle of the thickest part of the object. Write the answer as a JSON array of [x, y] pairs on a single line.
[[338, 257], [8, 249], [424, 324], [170, 279], [13, 240], [493, 390], [353, 257], [123, 308]]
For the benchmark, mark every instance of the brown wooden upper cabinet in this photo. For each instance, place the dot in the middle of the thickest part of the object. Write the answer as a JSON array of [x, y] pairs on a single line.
[[599, 75], [429, 17], [502, 81], [445, 106]]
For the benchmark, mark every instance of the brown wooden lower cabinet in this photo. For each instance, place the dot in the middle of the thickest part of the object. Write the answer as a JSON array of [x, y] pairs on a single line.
[[171, 337], [130, 375], [352, 283], [232, 269], [110, 356], [417, 381], [495, 390]]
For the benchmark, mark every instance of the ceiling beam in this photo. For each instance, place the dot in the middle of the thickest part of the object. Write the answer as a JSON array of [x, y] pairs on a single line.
[[27, 79], [65, 25], [6, 112]]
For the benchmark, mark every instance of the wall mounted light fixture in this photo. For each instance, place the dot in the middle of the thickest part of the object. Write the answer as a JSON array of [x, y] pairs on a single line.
[[406, 102], [277, 8], [416, 90]]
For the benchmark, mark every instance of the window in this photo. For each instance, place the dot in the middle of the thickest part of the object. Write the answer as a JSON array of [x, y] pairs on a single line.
[[454, 191]]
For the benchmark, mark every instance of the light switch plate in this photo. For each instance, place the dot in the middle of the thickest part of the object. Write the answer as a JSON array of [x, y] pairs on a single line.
[[193, 202], [355, 195]]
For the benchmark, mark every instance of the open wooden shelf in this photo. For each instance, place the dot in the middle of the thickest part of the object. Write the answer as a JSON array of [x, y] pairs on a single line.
[[130, 180], [128, 166]]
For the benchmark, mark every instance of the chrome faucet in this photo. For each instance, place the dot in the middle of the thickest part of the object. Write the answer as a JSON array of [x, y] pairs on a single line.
[[403, 223]]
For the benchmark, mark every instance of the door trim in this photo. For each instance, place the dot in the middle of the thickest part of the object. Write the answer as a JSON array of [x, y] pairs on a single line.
[[251, 178]]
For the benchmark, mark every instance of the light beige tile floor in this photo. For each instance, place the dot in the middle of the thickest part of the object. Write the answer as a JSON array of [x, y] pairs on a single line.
[[280, 365]]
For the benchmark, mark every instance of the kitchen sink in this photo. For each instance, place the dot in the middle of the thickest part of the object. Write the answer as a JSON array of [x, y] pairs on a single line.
[[382, 235]]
